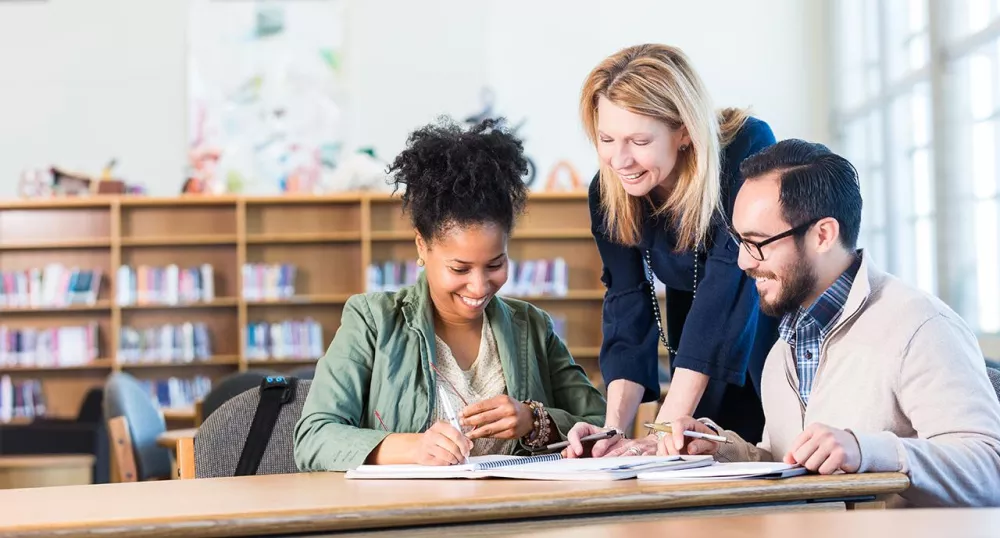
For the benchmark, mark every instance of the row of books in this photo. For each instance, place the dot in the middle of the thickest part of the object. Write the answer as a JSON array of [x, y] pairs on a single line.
[[536, 277], [52, 285], [525, 277], [176, 391], [289, 339], [268, 282], [48, 347], [392, 275], [169, 285], [170, 343], [21, 399]]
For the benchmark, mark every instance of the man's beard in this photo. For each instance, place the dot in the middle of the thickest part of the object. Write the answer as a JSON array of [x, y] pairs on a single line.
[[795, 287]]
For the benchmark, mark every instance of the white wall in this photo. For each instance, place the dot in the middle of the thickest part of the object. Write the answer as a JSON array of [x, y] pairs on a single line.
[[85, 80]]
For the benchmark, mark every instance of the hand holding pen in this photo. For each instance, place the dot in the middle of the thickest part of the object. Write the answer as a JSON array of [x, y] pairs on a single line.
[[685, 435], [444, 443]]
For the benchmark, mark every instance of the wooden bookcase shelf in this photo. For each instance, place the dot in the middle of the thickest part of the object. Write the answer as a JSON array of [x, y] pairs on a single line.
[[331, 240]]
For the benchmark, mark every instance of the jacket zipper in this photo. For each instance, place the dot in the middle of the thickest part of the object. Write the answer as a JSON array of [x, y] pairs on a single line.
[[822, 362]]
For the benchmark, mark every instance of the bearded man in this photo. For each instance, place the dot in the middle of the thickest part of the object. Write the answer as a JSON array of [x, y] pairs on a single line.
[[870, 374]]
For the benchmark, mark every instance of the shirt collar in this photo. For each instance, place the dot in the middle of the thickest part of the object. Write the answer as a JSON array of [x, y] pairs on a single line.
[[826, 310]]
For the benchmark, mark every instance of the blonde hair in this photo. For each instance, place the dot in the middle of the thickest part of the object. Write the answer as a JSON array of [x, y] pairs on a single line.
[[658, 81]]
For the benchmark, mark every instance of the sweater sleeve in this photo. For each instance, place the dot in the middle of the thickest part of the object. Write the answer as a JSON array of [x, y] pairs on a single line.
[[740, 450], [629, 339], [944, 392], [329, 436], [720, 328]]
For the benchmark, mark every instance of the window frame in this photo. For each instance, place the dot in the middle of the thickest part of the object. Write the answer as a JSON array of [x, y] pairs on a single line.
[[945, 52]]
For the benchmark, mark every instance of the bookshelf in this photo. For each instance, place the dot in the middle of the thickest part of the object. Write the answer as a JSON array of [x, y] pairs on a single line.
[[331, 240]]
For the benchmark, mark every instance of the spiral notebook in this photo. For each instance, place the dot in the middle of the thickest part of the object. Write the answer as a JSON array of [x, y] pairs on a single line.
[[542, 467]]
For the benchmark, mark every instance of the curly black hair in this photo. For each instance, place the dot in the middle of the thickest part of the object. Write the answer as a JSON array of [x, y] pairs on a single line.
[[460, 177]]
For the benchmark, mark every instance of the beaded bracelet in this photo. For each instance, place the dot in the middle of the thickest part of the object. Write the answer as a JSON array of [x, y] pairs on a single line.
[[541, 425]]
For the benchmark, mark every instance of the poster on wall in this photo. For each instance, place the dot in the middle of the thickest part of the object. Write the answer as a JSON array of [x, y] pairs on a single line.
[[265, 93]]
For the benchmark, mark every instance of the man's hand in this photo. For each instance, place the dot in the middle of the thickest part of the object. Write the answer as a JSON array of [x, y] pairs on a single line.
[[826, 450], [676, 443]]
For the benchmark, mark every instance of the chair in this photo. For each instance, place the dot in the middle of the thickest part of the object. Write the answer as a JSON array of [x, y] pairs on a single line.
[[220, 439], [994, 374], [85, 434], [134, 422], [306, 372], [228, 387]]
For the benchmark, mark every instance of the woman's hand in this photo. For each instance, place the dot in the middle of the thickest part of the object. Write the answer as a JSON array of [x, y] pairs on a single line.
[[643, 446], [676, 443], [442, 444], [500, 417], [600, 448]]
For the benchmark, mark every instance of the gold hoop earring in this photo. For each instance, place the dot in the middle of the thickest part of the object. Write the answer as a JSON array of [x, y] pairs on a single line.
[[420, 262]]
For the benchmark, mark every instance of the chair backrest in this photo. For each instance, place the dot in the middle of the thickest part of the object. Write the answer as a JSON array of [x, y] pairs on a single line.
[[994, 374], [219, 441], [230, 386], [92, 408], [125, 397], [305, 372]]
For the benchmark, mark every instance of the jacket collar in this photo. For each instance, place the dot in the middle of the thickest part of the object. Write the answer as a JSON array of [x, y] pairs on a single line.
[[860, 289], [509, 331]]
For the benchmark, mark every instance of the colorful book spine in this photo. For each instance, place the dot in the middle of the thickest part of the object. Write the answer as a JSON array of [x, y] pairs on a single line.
[[173, 343], [21, 399], [176, 392], [289, 339], [170, 285], [268, 282], [544, 277], [54, 285], [392, 275], [48, 347]]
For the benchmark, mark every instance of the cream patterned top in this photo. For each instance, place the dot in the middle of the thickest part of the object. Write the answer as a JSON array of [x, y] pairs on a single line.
[[482, 381]]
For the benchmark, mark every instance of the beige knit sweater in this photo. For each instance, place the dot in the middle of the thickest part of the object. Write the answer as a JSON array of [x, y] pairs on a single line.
[[905, 375]]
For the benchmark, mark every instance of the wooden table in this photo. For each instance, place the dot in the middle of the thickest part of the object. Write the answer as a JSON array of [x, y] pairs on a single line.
[[46, 470], [323, 502], [169, 438], [910, 523]]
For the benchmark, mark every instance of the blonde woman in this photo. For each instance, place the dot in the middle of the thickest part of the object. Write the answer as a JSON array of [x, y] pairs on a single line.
[[669, 172]]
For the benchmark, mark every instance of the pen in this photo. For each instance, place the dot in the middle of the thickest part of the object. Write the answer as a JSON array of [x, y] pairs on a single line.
[[449, 411], [595, 437], [687, 433]]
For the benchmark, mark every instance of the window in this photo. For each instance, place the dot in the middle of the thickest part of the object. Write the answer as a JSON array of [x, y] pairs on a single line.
[[918, 112]]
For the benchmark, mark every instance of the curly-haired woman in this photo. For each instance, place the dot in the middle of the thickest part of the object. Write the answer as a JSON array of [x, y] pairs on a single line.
[[401, 359]]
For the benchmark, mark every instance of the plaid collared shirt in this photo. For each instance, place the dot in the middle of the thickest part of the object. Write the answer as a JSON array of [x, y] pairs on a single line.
[[805, 330]]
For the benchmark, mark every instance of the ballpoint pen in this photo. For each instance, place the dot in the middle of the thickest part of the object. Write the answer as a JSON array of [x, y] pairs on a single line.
[[665, 428], [449, 411]]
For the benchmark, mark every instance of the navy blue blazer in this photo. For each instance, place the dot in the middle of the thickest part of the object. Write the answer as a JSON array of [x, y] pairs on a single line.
[[722, 332]]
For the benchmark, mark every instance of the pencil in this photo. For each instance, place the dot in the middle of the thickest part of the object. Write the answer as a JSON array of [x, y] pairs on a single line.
[[687, 433], [379, 417]]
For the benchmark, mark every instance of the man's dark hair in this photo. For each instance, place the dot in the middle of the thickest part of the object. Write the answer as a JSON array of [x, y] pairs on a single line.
[[815, 183], [460, 177]]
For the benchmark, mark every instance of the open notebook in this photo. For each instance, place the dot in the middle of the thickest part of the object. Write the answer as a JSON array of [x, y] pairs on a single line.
[[545, 467], [728, 471]]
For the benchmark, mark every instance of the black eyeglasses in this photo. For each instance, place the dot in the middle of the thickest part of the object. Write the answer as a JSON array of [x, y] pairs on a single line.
[[755, 248]]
